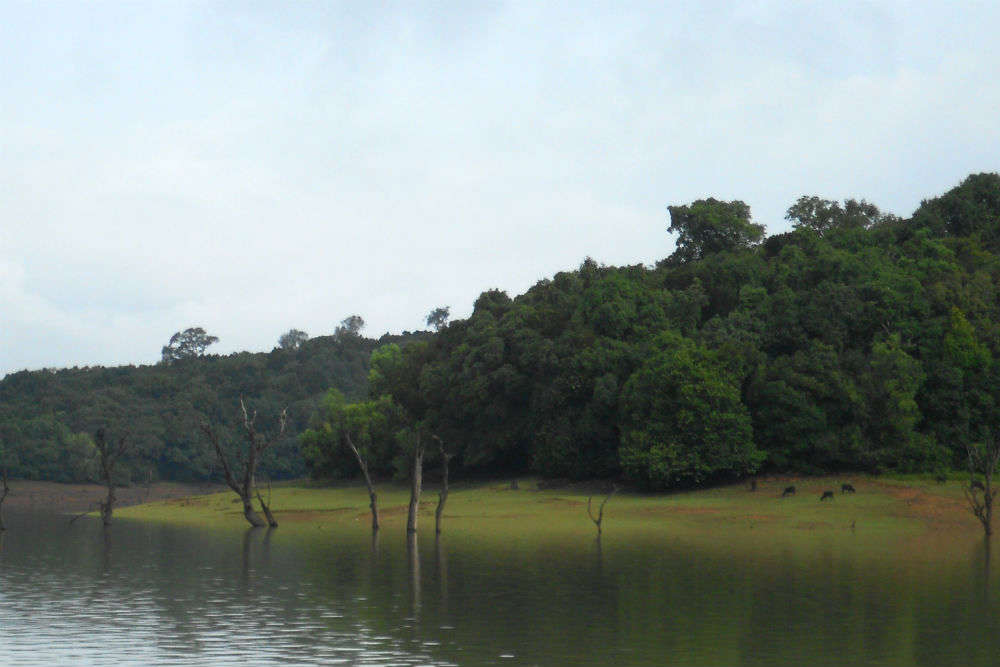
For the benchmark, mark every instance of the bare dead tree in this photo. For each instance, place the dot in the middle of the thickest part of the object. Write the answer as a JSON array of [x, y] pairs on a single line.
[[416, 484], [242, 479], [983, 460], [443, 493], [3, 496], [265, 506], [372, 495], [110, 454], [600, 512]]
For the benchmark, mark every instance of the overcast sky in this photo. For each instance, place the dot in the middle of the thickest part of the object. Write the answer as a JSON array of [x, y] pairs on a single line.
[[253, 167]]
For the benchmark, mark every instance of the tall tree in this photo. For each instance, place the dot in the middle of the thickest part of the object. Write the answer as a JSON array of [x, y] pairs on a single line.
[[292, 340], [187, 344], [395, 376], [438, 318], [709, 226], [350, 326], [824, 215]]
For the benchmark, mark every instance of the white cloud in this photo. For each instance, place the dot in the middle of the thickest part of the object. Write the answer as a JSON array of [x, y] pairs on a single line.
[[254, 170]]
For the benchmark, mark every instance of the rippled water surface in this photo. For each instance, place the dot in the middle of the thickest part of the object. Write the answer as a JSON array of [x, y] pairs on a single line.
[[153, 595]]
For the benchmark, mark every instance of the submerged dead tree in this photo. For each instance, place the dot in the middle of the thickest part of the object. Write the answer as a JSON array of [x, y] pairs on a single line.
[[443, 493], [109, 455], [984, 459], [3, 496], [600, 512], [242, 479], [416, 483], [363, 464]]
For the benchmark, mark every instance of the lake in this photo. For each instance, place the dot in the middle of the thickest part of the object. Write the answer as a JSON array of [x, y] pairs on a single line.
[[149, 594]]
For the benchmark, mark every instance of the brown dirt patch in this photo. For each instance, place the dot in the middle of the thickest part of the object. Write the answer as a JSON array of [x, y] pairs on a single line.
[[927, 505], [79, 497]]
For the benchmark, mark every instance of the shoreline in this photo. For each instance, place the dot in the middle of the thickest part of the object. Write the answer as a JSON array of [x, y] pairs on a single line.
[[73, 497]]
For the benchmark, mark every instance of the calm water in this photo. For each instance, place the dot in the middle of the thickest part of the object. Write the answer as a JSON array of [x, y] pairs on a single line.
[[151, 595]]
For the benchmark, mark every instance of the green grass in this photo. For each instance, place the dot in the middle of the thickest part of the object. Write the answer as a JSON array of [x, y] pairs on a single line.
[[884, 514]]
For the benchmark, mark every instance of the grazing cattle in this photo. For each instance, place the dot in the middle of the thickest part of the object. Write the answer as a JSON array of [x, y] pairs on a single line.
[[941, 479], [789, 491], [976, 484], [846, 488], [827, 495]]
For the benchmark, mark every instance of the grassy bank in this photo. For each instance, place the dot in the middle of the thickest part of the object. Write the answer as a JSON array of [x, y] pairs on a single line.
[[915, 517]]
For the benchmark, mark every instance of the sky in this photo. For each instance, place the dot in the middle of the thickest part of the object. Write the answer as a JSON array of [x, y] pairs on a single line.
[[251, 167]]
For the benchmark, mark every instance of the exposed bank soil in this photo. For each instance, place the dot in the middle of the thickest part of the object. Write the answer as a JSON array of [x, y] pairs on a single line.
[[57, 497], [931, 507]]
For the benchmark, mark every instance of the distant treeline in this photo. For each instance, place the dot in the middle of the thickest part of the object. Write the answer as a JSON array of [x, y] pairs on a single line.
[[48, 417], [856, 341]]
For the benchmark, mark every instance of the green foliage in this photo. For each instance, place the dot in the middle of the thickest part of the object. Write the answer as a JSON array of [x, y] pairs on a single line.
[[46, 416], [856, 341], [438, 318], [682, 419], [370, 425], [293, 339], [709, 226], [187, 344], [824, 216], [971, 209]]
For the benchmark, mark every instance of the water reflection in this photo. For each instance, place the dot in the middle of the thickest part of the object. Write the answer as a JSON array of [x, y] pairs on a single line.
[[413, 563], [441, 561], [106, 550], [146, 595], [984, 554]]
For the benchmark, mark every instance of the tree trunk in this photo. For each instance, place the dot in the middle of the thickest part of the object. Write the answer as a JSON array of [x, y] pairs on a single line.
[[271, 521], [443, 494], [373, 503], [245, 486], [109, 457], [372, 496], [265, 507], [251, 515], [108, 504], [413, 553], [3, 496], [416, 477]]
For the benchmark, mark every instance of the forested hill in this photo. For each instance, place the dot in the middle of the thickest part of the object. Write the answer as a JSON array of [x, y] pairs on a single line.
[[48, 417], [857, 341]]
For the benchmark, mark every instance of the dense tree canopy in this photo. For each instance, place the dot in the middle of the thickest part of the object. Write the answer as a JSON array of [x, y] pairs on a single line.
[[855, 341], [47, 418], [708, 226]]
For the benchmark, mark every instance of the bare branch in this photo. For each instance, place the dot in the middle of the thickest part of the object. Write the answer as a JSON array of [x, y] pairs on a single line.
[[223, 460], [600, 512], [282, 423]]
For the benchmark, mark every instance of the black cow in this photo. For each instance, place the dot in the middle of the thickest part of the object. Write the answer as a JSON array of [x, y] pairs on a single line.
[[976, 484], [789, 491], [827, 495], [846, 488]]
